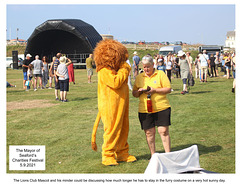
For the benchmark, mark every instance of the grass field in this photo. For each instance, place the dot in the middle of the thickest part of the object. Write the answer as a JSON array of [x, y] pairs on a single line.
[[205, 117]]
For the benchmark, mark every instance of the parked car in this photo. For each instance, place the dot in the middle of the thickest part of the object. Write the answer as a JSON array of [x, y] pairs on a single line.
[[165, 43], [169, 49], [178, 43], [9, 62]]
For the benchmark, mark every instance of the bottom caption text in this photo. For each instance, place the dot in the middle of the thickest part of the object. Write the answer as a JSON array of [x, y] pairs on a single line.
[[121, 180]]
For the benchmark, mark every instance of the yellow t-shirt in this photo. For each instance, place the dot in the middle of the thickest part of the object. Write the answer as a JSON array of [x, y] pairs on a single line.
[[158, 80], [89, 62]]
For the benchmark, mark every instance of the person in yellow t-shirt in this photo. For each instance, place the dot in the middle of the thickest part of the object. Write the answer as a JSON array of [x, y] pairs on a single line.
[[156, 84], [89, 66]]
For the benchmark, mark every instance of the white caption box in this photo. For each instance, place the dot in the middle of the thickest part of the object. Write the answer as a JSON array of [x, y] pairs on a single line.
[[26, 157]]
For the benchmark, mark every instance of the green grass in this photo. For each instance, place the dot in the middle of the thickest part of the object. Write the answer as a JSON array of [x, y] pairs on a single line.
[[205, 116]]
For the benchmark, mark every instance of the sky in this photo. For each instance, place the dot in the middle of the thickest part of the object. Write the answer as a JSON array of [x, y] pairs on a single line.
[[191, 23]]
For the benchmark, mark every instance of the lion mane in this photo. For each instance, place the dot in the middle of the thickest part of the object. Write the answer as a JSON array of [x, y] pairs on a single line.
[[110, 54]]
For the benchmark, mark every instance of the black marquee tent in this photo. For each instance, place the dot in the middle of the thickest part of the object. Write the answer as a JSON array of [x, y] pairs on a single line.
[[68, 36]]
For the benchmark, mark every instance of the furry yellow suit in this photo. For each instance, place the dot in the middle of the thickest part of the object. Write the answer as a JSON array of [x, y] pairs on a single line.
[[113, 101]]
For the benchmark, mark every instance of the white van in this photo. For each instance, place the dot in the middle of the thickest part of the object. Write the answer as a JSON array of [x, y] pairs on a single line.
[[169, 49]]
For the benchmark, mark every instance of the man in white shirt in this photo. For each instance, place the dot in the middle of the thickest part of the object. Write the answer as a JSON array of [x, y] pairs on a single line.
[[217, 62], [204, 60]]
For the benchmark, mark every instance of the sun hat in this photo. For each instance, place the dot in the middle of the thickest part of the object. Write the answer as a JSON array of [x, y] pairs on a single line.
[[28, 55], [135, 52], [181, 53], [62, 59]]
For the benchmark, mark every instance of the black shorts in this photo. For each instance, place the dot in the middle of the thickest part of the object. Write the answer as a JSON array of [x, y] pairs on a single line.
[[37, 75], [57, 86], [148, 121], [64, 85]]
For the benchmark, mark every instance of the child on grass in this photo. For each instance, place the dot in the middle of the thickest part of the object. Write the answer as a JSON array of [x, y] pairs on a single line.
[[30, 75]]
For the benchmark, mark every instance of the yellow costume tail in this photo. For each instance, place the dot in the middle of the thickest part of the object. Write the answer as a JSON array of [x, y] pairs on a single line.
[[94, 131]]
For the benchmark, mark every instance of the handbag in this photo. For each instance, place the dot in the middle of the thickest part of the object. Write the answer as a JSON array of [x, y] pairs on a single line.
[[27, 83], [191, 81]]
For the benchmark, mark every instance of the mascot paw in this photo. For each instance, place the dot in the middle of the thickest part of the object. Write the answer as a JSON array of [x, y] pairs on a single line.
[[130, 158], [109, 161]]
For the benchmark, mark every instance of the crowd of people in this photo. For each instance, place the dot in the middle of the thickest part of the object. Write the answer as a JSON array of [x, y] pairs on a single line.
[[60, 70], [182, 65]]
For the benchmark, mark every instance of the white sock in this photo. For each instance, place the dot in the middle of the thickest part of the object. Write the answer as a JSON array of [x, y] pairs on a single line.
[[184, 87]]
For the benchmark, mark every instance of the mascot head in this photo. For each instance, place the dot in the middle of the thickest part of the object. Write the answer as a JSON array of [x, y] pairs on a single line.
[[110, 54]]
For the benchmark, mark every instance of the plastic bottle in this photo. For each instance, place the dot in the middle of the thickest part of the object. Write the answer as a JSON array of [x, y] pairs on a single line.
[[149, 103]]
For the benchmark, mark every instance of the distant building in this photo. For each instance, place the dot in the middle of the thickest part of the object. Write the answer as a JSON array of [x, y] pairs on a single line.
[[107, 36], [230, 39], [16, 41]]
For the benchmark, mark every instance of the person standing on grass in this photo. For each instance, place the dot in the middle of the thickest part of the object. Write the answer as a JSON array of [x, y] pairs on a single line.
[[155, 85], [62, 73], [196, 63], [51, 72], [217, 62], [129, 77], [45, 71], [227, 64], [169, 66], [71, 73], [30, 75], [178, 73], [155, 60], [190, 59], [185, 68], [161, 65], [223, 56], [234, 72], [89, 66], [25, 65], [212, 65], [204, 59], [55, 66], [37, 72], [136, 61]]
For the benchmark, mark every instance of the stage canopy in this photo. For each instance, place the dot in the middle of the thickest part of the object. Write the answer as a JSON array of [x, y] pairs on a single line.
[[68, 36]]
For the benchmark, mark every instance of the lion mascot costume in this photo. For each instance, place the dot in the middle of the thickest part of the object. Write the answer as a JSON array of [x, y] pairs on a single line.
[[113, 101]]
